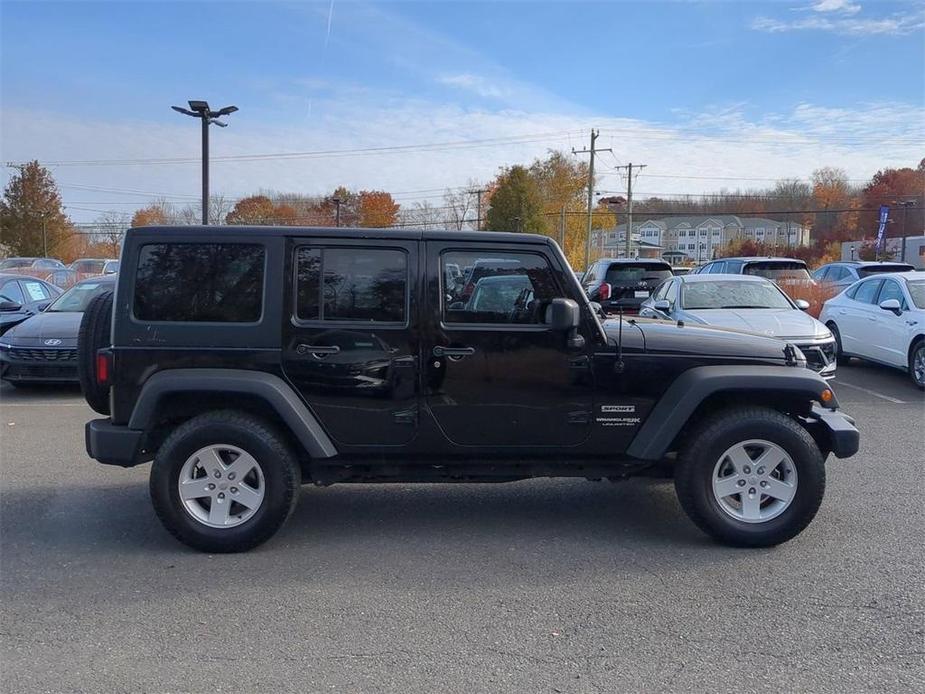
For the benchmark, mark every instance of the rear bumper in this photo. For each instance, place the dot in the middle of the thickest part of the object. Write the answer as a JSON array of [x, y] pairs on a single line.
[[111, 444], [836, 431]]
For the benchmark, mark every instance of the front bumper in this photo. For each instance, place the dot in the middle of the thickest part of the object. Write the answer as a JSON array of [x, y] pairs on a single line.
[[112, 444], [40, 364], [834, 431]]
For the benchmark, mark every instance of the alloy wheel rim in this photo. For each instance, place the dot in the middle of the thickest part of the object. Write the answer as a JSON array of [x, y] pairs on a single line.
[[754, 481], [221, 486]]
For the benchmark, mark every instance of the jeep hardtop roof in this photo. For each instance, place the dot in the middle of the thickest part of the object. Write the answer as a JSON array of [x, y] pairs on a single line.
[[217, 231]]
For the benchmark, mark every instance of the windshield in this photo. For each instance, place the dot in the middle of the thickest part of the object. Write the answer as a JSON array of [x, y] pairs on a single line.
[[778, 271], [91, 267], [650, 274], [731, 294], [11, 263], [76, 299], [869, 270], [917, 290]]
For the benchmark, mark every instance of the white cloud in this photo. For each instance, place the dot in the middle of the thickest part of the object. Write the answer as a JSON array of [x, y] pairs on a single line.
[[897, 25], [841, 6], [474, 83], [722, 143], [841, 17]]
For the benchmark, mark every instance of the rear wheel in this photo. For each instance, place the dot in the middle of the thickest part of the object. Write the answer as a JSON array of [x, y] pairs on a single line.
[[917, 364], [224, 482], [750, 477], [94, 334]]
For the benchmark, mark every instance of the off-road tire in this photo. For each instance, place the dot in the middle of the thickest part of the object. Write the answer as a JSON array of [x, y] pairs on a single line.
[[94, 334], [707, 443], [280, 468]]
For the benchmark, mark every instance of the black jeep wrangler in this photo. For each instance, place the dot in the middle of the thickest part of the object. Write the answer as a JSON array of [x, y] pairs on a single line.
[[247, 361]]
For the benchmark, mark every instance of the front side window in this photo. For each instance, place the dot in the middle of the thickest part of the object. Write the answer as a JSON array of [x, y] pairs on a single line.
[[351, 284], [891, 290], [503, 288], [12, 293], [200, 282]]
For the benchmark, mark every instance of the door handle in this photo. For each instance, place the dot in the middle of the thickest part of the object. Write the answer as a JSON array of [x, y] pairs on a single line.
[[440, 351], [316, 350]]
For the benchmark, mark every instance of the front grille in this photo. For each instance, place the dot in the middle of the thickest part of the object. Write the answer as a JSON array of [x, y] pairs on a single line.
[[23, 354], [818, 356]]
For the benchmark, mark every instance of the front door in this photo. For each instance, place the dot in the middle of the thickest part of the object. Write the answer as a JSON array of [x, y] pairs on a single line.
[[349, 349], [494, 373]]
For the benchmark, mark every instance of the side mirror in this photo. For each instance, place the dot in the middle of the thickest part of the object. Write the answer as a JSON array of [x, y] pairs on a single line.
[[891, 305], [662, 305], [596, 307], [563, 314], [43, 305], [10, 306], [802, 304]]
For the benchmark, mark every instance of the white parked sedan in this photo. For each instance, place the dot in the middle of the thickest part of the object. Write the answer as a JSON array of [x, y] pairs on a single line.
[[882, 318], [744, 302]]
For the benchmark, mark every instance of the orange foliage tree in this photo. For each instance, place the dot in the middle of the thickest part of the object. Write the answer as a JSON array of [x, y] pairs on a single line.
[[377, 209], [152, 215]]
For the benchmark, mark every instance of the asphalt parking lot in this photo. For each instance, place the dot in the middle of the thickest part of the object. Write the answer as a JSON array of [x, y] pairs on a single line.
[[539, 586]]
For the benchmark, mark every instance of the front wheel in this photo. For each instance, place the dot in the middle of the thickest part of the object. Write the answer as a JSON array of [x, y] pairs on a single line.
[[224, 482], [750, 477]]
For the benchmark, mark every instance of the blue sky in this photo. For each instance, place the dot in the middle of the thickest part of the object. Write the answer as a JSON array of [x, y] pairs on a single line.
[[87, 80]]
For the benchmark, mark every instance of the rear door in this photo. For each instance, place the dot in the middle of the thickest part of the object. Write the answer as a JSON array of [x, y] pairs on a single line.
[[857, 324], [494, 373], [349, 347]]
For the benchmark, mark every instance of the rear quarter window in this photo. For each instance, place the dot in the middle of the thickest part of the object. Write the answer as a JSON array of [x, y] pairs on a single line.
[[199, 282]]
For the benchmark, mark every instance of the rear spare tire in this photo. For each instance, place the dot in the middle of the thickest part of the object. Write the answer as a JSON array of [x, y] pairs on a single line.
[[95, 333]]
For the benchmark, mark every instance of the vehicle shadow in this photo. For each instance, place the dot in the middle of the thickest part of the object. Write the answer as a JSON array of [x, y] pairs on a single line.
[[878, 377], [546, 528]]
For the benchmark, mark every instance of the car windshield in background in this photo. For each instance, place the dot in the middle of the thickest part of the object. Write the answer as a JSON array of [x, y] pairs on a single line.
[[879, 269], [917, 290], [77, 298], [621, 275], [778, 271], [90, 267], [731, 294], [14, 263]]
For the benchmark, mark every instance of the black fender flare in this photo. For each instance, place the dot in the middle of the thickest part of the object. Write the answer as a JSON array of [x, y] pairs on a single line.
[[692, 387], [270, 388]]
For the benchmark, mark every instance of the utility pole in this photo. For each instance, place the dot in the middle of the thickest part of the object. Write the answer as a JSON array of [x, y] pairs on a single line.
[[629, 203], [201, 110], [337, 202], [592, 151], [478, 207], [562, 226], [45, 233]]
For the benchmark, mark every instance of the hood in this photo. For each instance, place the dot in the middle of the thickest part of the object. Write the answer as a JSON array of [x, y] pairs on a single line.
[[701, 340], [783, 323], [46, 326]]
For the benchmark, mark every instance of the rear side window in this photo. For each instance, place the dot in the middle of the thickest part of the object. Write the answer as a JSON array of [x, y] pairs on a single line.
[[200, 282], [351, 284], [866, 291]]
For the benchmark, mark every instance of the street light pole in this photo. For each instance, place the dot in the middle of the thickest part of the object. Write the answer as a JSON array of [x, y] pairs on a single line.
[[905, 204], [337, 202], [201, 110], [45, 234]]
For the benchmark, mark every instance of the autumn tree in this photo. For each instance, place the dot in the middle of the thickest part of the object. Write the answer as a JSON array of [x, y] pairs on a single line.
[[376, 208], [32, 221], [256, 209], [896, 188], [831, 192], [156, 214], [516, 202]]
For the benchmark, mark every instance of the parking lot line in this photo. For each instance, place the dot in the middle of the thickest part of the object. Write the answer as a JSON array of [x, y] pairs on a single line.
[[871, 392]]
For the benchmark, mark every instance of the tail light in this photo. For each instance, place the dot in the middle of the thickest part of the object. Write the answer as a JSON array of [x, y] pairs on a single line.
[[603, 291], [103, 367]]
